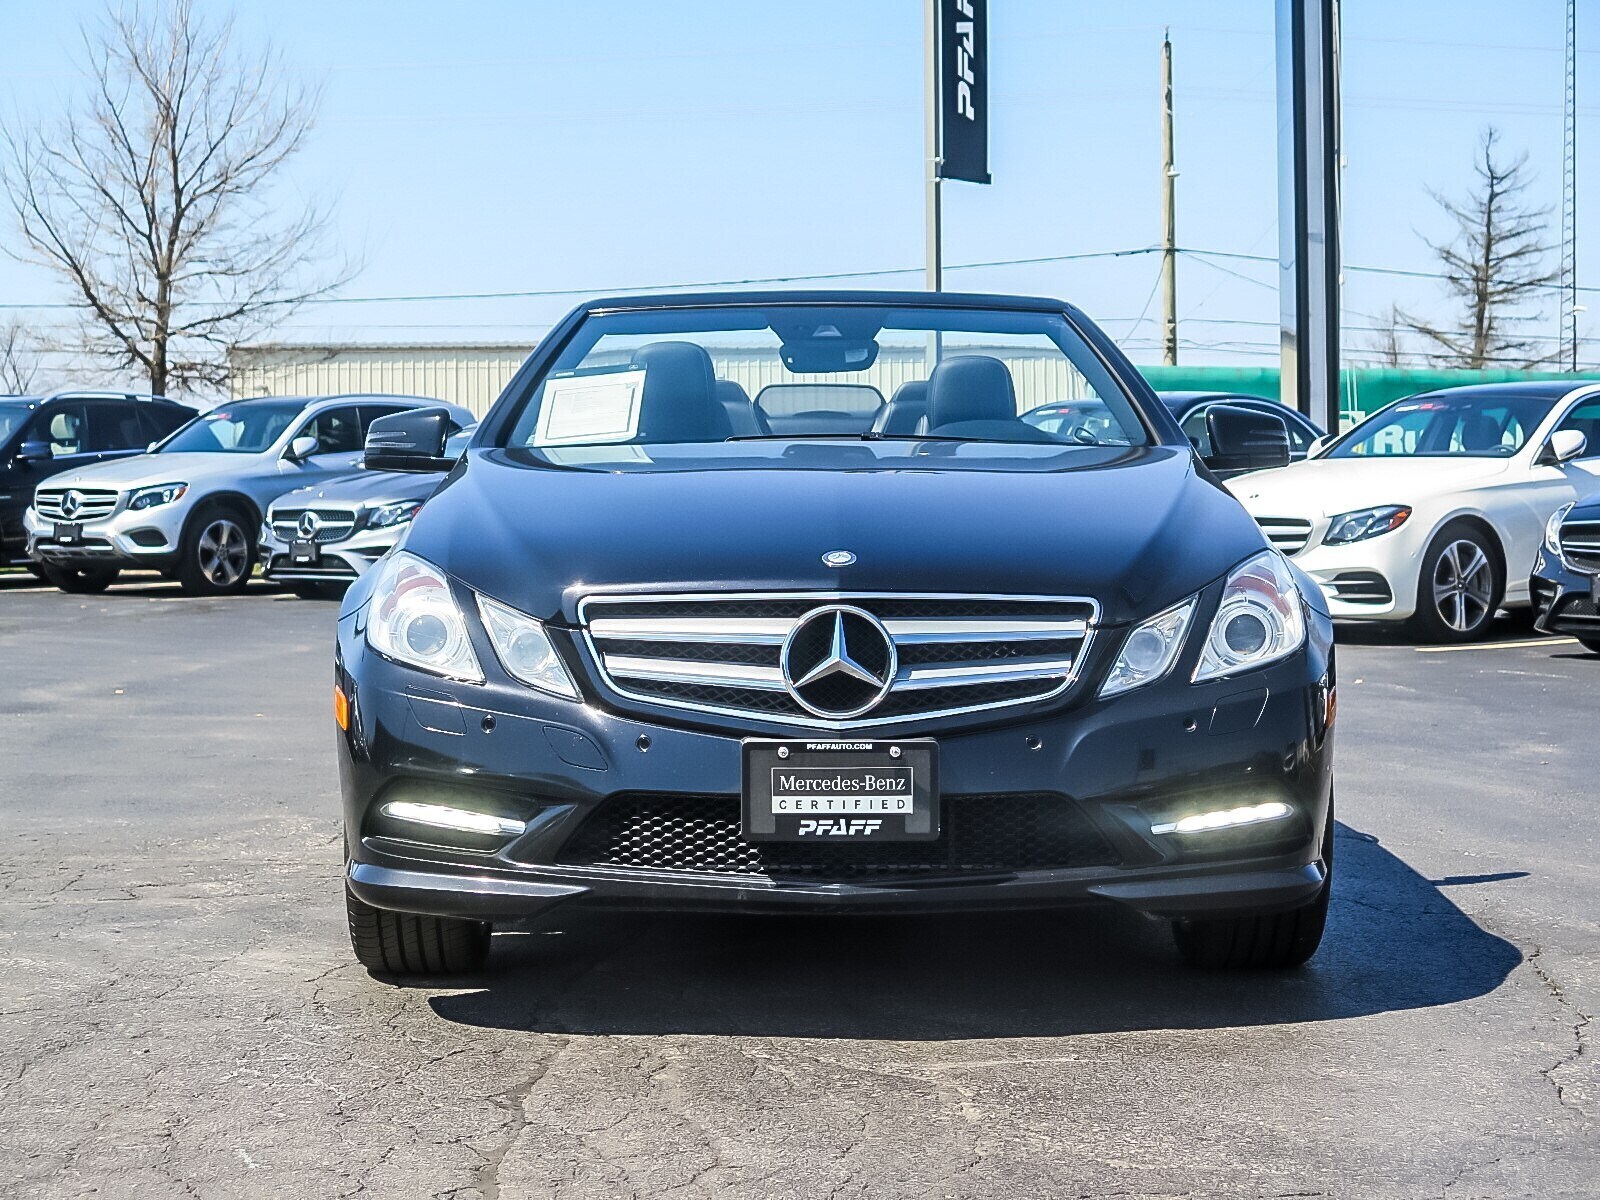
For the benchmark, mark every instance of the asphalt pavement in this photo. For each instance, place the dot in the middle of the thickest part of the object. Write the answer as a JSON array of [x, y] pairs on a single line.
[[180, 1013]]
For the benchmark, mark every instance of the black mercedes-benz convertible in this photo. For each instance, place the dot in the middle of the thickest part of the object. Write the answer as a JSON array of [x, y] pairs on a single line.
[[779, 602]]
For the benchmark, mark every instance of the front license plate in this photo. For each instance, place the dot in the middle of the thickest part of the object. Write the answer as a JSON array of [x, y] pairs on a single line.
[[69, 533], [304, 554], [803, 791]]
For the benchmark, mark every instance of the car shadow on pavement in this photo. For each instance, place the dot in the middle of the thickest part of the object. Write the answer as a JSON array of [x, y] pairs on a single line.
[[1395, 941]]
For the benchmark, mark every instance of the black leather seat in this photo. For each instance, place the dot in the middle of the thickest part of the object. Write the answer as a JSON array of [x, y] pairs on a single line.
[[746, 419], [904, 413], [971, 396], [680, 401]]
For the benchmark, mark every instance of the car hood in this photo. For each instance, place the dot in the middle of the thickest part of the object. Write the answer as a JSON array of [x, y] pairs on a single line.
[[141, 469], [371, 488], [1136, 529], [1325, 487]]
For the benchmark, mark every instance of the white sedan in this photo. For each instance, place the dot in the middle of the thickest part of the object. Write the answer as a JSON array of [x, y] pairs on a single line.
[[1433, 508]]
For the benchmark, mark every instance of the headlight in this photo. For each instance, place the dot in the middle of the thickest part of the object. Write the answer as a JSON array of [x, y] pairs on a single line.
[[392, 514], [414, 619], [1367, 523], [1552, 531], [161, 493], [1149, 650], [524, 649], [1259, 621]]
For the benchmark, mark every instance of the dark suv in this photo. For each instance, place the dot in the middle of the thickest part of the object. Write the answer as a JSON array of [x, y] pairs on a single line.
[[41, 436], [778, 602]]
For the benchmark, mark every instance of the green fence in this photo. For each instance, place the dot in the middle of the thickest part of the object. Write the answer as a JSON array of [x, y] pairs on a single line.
[[1363, 390]]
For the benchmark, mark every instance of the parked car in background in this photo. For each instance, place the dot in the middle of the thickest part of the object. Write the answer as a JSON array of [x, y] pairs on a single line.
[[44, 436], [1191, 408], [1566, 573], [1430, 510], [191, 507], [317, 539], [628, 655]]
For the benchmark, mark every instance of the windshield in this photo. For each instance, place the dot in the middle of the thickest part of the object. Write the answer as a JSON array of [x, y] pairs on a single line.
[[847, 371], [243, 427], [1444, 426], [11, 418]]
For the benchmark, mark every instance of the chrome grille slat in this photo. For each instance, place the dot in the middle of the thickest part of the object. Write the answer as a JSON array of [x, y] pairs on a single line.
[[723, 653], [1580, 544], [1288, 534], [337, 523], [96, 503]]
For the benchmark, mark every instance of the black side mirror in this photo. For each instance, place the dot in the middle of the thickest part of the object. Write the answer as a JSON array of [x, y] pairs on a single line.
[[35, 452], [409, 441], [1245, 440]]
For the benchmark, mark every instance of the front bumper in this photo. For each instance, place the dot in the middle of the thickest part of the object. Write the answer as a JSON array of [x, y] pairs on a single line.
[[1113, 764], [150, 537], [347, 559], [1564, 601], [1372, 580]]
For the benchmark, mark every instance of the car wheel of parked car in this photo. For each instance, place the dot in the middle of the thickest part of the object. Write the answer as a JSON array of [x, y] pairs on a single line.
[[80, 581], [1460, 586], [218, 552], [1266, 940], [393, 943]]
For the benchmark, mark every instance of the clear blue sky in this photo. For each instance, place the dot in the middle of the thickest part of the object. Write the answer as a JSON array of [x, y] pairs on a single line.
[[500, 146]]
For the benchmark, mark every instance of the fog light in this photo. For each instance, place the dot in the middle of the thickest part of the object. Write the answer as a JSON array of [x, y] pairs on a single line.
[[443, 817], [1225, 818]]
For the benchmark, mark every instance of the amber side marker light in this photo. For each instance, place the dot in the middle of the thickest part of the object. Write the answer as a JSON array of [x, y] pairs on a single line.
[[341, 708]]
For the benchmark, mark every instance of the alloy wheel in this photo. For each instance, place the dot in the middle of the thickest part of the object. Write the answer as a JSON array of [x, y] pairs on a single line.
[[224, 553], [1463, 585]]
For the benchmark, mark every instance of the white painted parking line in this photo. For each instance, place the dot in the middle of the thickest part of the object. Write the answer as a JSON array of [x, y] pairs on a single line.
[[1549, 641]]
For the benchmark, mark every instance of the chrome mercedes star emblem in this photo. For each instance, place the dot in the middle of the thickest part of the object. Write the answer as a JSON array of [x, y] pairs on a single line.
[[838, 661], [71, 503], [309, 524], [838, 558]]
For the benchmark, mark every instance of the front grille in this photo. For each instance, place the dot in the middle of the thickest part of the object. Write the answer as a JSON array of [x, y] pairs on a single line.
[[700, 834], [1361, 587], [1576, 608], [93, 503], [724, 654], [1288, 534], [337, 524], [1580, 544]]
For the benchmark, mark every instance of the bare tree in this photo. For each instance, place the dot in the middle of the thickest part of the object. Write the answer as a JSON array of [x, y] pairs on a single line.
[[19, 360], [154, 198], [1387, 344], [1494, 267]]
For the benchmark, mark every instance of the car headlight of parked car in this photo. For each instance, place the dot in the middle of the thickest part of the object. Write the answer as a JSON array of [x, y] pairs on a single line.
[[161, 493], [414, 619], [1365, 523], [1552, 531], [1261, 619], [524, 649], [1150, 649], [392, 514]]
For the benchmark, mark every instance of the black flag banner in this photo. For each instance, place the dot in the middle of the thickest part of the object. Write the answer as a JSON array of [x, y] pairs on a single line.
[[964, 90]]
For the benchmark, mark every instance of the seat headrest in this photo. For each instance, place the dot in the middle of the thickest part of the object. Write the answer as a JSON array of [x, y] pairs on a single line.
[[680, 401], [908, 406], [743, 416], [971, 387], [1479, 431]]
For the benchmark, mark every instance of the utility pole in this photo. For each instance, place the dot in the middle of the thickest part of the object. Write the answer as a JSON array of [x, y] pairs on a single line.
[[932, 215], [1569, 191], [1169, 214]]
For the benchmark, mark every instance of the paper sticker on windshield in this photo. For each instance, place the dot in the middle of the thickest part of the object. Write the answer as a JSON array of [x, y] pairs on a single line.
[[580, 410]]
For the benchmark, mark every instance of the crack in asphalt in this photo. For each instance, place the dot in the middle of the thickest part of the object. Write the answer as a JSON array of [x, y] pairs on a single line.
[[1580, 1036], [514, 1100]]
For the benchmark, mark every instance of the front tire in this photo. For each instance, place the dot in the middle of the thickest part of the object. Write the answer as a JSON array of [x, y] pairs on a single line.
[[393, 943], [218, 552], [80, 581], [1459, 587], [1270, 941]]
